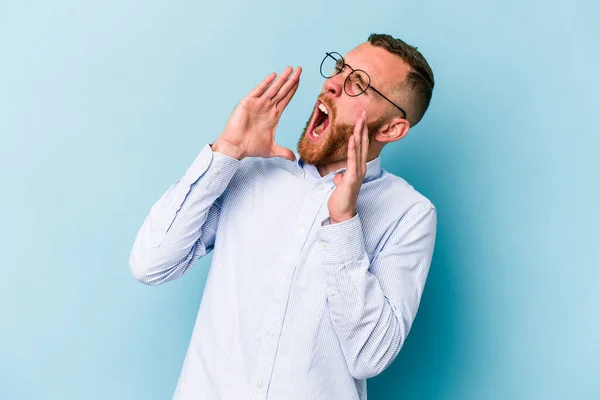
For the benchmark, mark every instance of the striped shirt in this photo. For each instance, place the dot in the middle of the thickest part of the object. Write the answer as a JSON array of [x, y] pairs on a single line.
[[294, 307]]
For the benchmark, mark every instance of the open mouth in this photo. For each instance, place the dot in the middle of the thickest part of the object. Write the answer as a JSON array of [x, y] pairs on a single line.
[[320, 121]]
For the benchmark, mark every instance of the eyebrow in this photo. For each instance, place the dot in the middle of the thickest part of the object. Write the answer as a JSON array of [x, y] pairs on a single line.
[[362, 80], [359, 77]]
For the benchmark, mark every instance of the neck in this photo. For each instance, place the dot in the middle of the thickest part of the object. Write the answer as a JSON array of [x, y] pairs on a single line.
[[325, 169]]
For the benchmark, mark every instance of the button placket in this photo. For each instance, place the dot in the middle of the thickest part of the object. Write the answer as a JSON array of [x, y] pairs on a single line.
[[272, 326]]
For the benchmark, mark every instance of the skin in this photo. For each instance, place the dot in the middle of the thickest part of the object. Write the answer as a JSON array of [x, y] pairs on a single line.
[[350, 140], [386, 71]]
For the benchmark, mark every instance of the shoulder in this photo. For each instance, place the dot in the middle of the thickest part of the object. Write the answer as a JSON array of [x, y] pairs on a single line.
[[396, 192]]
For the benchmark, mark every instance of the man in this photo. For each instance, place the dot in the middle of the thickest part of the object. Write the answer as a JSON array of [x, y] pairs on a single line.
[[320, 256]]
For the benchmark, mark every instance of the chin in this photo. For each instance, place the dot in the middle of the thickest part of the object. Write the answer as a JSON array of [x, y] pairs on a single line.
[[324, 141]]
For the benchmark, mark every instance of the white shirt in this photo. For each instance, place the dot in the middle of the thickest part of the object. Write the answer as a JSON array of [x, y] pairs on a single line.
[[293, 307]]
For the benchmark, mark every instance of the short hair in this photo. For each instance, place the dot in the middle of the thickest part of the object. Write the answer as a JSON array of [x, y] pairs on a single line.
[[419, 81]]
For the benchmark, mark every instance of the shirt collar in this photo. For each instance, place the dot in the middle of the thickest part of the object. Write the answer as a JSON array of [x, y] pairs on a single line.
[[373, 168]]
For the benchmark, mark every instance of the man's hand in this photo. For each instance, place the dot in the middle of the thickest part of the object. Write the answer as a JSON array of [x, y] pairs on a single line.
[[250, 130], [342, 203]]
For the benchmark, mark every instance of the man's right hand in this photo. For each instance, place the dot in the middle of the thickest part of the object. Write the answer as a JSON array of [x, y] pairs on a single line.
[[250, 130]]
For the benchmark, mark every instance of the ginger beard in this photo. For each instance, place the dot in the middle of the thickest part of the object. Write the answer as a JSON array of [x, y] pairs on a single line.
[[331, 145]]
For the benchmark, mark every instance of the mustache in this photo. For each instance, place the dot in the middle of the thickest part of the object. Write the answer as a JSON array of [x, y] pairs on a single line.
[[328, 103]]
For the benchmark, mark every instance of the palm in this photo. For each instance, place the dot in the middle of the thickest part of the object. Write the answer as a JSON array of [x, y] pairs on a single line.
[[342, 202], [252, 125], [258, 125]]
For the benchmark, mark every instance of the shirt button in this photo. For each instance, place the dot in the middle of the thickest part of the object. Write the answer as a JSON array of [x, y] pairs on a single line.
[[332, 294], [283, 281], [323, 244], [259, 384], [301, 230], [271, 334], [320, 186], [217, 171]]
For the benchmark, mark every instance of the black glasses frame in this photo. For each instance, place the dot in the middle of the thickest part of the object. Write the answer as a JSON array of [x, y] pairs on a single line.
[[341, 69]]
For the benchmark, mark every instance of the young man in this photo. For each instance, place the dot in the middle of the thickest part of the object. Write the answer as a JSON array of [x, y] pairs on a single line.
[[320, 256]]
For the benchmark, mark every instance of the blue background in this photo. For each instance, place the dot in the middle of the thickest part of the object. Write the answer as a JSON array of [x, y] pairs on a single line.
[[104, 104]]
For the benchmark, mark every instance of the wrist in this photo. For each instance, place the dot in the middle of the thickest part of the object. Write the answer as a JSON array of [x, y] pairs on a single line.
[[340, 219], [224, 147]]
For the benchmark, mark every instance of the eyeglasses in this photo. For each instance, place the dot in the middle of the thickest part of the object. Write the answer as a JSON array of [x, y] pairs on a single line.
[[357, 81]]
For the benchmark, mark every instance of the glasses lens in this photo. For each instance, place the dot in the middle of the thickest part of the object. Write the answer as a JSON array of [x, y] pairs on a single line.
[[331, 65], [357, 82]]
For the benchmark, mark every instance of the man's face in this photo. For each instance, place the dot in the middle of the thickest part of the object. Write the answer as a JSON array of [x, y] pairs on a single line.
[[334, 127]]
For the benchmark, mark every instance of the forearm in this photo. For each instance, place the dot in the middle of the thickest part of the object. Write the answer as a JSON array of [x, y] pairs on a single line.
[[370, 333], [371, 323], [170, 240]]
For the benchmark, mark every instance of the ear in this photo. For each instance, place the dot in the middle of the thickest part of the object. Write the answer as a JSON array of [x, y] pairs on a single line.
[[393, 130]]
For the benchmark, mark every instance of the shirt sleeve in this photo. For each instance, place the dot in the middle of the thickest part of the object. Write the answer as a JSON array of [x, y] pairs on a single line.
[[181, 225], [373, 303]]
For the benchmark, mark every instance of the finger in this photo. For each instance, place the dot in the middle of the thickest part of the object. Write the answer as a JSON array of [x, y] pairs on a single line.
[[338, 178], [291, 82], [365, 145], [350, 174], [258, 90], [358, 130], [275, 86], [282, 104], [278, 151], [358, 146]]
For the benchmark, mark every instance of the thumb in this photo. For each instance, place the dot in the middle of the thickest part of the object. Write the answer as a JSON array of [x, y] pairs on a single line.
[[279, 151], [337, 179]]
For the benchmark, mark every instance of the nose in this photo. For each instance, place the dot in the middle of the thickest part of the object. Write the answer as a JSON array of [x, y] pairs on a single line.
[[335, 85]]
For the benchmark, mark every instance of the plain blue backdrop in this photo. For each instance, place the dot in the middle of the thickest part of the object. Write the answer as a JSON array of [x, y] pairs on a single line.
[[104, 104]]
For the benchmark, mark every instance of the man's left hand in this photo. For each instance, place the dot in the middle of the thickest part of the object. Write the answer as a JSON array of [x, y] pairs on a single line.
[[342, 203]]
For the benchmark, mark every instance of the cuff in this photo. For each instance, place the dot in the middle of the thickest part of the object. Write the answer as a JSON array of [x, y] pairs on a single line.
[[341, 242], [219, 163], [216, 170]]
